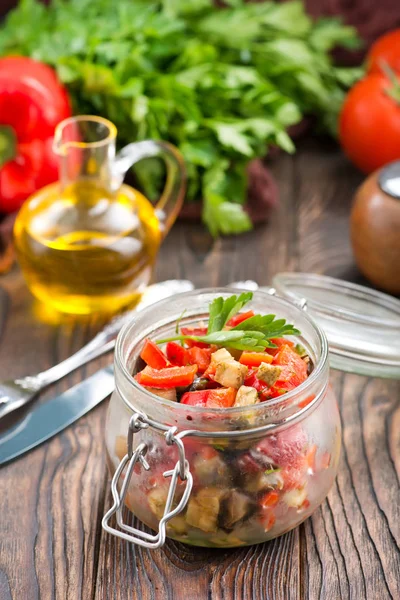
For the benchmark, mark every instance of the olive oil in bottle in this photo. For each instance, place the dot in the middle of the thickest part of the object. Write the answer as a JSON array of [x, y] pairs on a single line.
[[88, 243], [87, 250]]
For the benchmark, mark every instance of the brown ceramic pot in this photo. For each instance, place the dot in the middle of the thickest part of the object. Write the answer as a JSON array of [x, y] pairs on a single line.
[[375, 228]]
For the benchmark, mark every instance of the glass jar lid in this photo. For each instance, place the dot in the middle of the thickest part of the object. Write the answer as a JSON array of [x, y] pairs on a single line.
[[361, 324]]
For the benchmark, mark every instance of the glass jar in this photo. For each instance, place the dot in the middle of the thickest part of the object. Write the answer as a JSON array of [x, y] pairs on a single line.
[[219, 477]]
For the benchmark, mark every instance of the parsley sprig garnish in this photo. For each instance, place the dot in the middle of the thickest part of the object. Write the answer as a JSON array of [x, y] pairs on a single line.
[[253, 334]]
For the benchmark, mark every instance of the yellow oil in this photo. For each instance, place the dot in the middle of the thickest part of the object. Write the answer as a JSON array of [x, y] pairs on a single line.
[[86, 250]]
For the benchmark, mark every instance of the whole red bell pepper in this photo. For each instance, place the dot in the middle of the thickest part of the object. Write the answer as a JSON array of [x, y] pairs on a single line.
[[32, 103]]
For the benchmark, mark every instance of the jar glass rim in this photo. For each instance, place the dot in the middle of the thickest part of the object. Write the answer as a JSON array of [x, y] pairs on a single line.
[[319, 367]]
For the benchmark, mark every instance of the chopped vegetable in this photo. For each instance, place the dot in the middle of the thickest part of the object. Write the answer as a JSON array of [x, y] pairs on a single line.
[[295, 498], [153, 356], [237, 319], [211, 469], [167, 378], [269, 374], [200, 357], [246, 396], [230, 373], [166, 393], [180, 356], [219, 398], [306, 401], [220, 356], [236, 507], [176, 354], [204, 507], [254, 359], [294, 370], [270, 499], [268, 519], [194, 331]]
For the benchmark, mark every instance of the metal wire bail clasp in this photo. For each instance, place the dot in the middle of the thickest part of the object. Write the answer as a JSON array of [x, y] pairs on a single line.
[[126, 468]]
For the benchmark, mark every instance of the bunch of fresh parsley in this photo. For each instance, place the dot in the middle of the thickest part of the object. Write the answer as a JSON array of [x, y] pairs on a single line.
[[220, 83], [254, 334]]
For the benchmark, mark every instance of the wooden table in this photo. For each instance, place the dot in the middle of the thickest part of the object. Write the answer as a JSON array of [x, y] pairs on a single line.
[[52, 500]]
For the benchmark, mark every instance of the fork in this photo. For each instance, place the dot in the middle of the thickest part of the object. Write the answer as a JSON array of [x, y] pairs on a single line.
[[15, 393]]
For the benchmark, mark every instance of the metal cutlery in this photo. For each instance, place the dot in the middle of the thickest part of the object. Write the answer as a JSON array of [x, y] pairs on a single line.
[[51, 417], [15, 393]]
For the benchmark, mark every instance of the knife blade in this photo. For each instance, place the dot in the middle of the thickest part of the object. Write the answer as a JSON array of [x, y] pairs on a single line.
[[51, 417]]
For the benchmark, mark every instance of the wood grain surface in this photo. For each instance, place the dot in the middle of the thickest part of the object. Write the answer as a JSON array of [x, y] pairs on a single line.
[[52, 500]]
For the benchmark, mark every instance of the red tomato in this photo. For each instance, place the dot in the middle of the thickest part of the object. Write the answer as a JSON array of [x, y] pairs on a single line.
[[153, 356], [385, 50], [369, 124]]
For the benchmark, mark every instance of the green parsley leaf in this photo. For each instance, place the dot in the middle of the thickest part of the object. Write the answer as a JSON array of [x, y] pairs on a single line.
[[253, 334], [222, 310], [222, 83]]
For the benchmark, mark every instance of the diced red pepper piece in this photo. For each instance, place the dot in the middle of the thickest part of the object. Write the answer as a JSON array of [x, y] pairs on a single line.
[[268, 519], [286, 448], [200, 357], [197, 398], [247, 464], [270, 499], [254, 359], [294, 370], [195, 331], [181, 357], [237, 319], [279, 342], [310, 458], [167, 378], [176, 354], [153, 355], [306, 401], [222, 398], [261, 387], [293, 478], [326, 460], [218, 398]]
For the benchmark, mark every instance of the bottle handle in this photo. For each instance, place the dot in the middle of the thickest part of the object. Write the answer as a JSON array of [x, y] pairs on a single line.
[[171, 200]]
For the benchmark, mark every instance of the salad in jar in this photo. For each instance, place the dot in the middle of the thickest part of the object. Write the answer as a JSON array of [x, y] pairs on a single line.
[[245, 490]]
